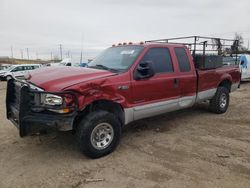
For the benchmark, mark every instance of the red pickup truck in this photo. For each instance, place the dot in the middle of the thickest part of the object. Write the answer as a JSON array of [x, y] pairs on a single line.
[[125, 83]]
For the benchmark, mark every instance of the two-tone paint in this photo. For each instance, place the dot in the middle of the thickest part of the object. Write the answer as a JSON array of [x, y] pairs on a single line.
[[139, 99]]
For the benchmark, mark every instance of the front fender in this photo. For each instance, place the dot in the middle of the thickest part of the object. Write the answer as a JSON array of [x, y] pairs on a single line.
[[99, 94]]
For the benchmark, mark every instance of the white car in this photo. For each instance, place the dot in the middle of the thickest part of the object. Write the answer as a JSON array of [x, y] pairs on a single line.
[[66, 62], [245, 66], [17, 71]]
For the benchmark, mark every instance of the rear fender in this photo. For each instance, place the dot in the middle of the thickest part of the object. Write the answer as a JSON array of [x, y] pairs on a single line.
[[225, 81]]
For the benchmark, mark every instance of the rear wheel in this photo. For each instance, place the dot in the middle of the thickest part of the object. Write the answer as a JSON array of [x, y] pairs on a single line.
[[98, 133], [219, 103]]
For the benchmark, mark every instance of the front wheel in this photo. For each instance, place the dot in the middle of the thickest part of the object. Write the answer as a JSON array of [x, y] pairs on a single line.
[[98, 133], [219, 103], [9, 77]]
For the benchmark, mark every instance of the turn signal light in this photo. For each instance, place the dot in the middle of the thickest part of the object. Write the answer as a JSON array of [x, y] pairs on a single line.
[[65, 110]]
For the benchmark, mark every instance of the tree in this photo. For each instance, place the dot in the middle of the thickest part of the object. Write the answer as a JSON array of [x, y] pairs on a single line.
[[238, 37]]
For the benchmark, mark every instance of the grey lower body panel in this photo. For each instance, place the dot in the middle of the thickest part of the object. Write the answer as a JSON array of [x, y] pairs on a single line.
[[149, 110]]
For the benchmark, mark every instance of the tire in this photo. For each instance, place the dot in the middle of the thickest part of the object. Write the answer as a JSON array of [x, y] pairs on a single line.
[[98, 133], [9, 77], [219, 103]]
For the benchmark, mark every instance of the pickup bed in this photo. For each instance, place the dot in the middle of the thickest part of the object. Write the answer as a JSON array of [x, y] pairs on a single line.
[[125, 83]]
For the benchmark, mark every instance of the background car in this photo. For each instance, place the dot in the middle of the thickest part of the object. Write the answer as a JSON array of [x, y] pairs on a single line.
[[17, 71]]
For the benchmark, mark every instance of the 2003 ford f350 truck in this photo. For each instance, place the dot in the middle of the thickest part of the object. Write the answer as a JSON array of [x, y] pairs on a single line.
[[125, 83]]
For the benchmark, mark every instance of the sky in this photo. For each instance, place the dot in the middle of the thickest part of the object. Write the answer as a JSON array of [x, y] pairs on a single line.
[[93, 25]]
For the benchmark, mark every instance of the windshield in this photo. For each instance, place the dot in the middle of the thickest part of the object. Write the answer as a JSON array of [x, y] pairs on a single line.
[[9, 68], [116, 58]]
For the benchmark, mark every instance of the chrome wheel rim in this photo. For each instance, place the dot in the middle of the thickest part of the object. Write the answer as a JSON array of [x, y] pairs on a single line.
[[223, 100], [102, 136]]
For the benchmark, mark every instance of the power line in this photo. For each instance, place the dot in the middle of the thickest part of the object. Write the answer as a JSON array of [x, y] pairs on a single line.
[[230, 32]]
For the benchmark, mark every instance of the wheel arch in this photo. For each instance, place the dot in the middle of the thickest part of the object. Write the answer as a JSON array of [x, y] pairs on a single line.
[[102, 104], [227, 83]]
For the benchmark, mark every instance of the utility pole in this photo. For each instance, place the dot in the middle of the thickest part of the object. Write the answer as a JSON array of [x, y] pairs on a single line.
[[81, 57], [22, 53], [28, 56], [60, 50], [11, 49], [51, 56], [81, 49]]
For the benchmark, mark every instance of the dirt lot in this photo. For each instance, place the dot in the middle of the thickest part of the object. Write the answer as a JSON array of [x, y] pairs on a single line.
[[188, 148]]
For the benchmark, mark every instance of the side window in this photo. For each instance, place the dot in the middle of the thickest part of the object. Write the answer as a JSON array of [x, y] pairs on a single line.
[[182, 58], [17, 69], [160, 58]]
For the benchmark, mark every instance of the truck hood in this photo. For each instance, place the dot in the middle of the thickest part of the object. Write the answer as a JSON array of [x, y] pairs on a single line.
[[58, 78]]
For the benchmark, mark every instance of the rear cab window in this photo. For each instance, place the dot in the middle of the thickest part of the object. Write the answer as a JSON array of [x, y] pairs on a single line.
[[160, 59], [182, 58]]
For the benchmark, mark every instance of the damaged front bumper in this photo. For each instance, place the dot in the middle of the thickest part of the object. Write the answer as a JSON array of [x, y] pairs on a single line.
[[25, 110]]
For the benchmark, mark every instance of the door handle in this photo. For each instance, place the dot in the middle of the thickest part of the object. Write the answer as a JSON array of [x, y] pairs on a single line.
[[176, 83]]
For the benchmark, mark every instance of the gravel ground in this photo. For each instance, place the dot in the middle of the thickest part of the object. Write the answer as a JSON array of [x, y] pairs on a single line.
[[188, 148]]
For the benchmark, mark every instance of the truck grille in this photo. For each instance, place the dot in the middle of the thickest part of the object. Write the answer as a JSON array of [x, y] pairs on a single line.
[[16, 96]]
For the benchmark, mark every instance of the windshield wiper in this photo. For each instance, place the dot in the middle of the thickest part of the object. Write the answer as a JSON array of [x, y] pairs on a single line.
[[104, 67]]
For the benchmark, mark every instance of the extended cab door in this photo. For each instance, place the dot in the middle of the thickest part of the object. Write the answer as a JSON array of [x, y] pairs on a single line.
[[157, 94], [187, 77]]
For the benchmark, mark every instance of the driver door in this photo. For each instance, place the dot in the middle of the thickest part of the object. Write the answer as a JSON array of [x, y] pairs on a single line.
[[159, 93]]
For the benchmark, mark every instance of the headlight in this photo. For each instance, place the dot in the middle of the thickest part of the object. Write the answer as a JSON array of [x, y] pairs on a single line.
[[50, 99]]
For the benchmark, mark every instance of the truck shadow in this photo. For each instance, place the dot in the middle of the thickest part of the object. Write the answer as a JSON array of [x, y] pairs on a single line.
[[243, 82], [166, 122], [65, 142]]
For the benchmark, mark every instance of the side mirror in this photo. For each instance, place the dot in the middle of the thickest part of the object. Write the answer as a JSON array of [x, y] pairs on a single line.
[[144, 70], [242, 62]]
